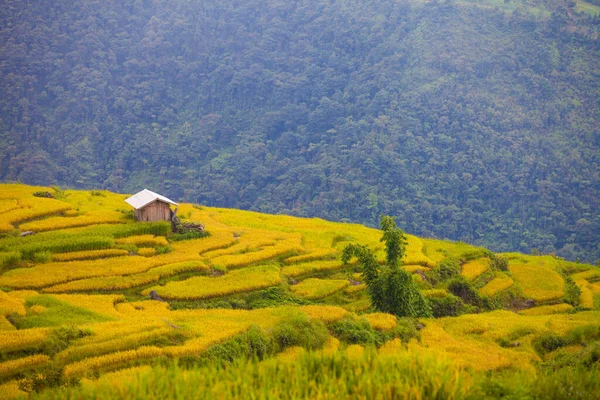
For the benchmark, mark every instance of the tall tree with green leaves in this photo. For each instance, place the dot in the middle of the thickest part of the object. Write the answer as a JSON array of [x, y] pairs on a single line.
[[390, 288]]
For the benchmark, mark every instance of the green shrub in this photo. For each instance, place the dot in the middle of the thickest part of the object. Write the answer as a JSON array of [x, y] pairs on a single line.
[[447, 306], [578, 383], [446, 269], [547, 343], [9, 259], [273, 296], [42, 257], [163, 249], [406, 329], [588, 357], [473, 255], [572, 292], [176, 237], [251, 345], [570, 383], [355, 331], [583, 334], [498, 263], [462, 288], [299, 330], [489, 303], [58, 313], [62, 337]]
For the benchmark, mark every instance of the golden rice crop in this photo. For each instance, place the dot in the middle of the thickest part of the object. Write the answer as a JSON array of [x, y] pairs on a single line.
[[544, 310], [355, 288], [589, 274], [22, 339], [37, 309], [500, 323], [201, 287], [313, 255], [538, 282], [85, 238], [5, 324], [9, 304], [5, 227], [121, 343], [250, 241], [469, 352], [144, 240], [314, 288], [331, 346], [500, 283], [110, 330], [392, 347], [61, 245], [111, 361], [381, 321], [358, 305], [218, 239], [89, 255], [324, 313], [437, 250], [473, 269], [147, 252], [414, 268], [205, 322], [290, 354], [103, 304], [218, 331], [586, 299], [419, 259], [7, 205], [90, 218], [34, 207], [10, 390], [97, 200], [435, 293], [110, 283], [354, 351], [153, 307], [414, 253], [14, 367], [54, 273], [310, 267], [117, 379], [241, 260]]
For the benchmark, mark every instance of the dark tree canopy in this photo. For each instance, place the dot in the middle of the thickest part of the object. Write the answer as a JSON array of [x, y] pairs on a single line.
[[390, 288], [476, 121]]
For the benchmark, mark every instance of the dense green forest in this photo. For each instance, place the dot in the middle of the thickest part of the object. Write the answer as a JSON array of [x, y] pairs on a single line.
[[470, 120]]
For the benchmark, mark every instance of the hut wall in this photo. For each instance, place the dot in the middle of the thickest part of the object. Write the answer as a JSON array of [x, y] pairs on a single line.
[[155, 211]]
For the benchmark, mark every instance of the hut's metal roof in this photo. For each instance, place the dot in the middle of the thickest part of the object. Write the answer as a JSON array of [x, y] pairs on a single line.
[[145, 197]]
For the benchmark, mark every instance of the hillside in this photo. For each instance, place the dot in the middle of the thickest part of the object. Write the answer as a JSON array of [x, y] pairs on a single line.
[[75, 305], [469, 120]]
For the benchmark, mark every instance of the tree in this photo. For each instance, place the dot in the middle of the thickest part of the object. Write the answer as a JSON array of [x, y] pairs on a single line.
[[391, 289]]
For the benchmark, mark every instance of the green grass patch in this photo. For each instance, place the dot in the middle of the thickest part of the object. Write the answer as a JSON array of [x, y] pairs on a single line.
[[52, 312]]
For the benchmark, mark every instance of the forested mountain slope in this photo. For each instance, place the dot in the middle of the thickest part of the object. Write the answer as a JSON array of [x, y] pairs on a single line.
[[465, 120]]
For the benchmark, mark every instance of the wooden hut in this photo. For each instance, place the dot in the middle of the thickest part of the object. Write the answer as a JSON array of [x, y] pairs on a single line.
[[150, 206]]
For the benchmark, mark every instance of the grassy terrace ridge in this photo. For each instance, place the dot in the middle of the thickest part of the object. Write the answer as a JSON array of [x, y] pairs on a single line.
[[263, 290]]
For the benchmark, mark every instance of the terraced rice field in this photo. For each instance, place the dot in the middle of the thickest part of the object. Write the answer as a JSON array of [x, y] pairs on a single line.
[[90, 267]]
